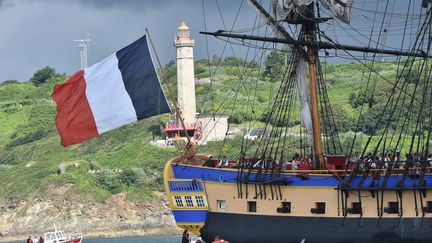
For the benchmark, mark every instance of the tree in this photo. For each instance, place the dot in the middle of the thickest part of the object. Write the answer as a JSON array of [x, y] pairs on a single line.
[[412, 76], [215, 60], [171, 69], [275, 65], [155, 129], [9, 82], [42, 75], [201, 68], [253, 64], [238, 117], [233, 61], [341, 119], [353, 100]]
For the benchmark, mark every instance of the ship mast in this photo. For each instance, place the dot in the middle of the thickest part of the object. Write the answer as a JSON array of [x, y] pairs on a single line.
[[308, 29], [308, 40], [176, 106]]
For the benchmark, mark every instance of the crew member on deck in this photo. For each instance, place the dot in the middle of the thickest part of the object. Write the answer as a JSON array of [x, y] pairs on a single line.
[[306, 160], [259, 164], [218, 239], [223, 163], [284, 164], [241, 162], [210, 162], [295, 164], [387, 160]]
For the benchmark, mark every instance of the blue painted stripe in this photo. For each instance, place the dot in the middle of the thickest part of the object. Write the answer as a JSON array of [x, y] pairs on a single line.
[[192, 216], [140, 79], [225, 176]]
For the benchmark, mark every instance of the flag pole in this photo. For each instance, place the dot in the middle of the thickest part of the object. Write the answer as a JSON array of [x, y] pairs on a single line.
[[171, 94]]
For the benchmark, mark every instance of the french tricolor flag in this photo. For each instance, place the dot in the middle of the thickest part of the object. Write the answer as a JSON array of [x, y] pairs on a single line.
[[119, 90]]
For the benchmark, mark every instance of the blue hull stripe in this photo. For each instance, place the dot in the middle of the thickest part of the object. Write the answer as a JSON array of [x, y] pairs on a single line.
[[190, 216], [224, 176]]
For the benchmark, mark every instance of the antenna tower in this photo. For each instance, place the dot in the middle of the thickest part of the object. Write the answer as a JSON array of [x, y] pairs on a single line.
[[84, 46]]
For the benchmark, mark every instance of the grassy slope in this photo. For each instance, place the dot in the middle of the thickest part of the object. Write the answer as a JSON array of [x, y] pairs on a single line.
[[30, 152]]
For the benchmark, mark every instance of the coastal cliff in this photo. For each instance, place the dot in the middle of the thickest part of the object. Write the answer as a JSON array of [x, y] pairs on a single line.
[[112, 185], [116, 217]]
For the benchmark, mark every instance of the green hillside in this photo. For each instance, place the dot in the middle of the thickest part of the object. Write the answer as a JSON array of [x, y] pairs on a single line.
[[30, 150]]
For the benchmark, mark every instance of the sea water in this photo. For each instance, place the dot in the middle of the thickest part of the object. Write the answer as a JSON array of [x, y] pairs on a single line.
[[135, 239]]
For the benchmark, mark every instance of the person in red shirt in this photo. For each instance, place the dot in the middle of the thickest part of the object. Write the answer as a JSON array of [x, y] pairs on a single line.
[[185, 238], [218, 239]]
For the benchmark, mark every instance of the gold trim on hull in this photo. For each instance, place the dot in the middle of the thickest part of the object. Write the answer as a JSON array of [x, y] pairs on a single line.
[[302, 200], [187, 201]]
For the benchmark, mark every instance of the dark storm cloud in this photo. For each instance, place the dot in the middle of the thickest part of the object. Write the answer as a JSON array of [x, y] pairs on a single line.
[[37, 33], [137, 5], [6, 4]]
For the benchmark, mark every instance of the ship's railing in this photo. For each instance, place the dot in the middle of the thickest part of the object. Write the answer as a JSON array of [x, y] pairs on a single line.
[[394, 170], [175, 126], [200, 159], [185, 186]]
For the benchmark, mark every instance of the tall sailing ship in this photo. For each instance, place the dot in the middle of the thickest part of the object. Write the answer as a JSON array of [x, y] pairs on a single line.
[[323, 192]]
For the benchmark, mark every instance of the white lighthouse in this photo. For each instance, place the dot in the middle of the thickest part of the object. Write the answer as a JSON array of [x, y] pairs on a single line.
[[202, 128], [185, 74]]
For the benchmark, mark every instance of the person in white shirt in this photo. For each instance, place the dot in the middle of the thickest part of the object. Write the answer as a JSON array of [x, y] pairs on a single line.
[[387, 160], [295, 164], [258, 164], [223, 162], [284, 164], [429, 159]]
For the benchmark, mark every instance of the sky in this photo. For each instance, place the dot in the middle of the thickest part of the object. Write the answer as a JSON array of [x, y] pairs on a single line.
[[38, 33]]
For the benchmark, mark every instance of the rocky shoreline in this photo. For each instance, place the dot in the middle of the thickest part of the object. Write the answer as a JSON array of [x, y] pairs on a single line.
[[116, 217]]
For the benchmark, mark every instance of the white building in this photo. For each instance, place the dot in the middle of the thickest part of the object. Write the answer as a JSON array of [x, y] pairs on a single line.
[[212, 127]]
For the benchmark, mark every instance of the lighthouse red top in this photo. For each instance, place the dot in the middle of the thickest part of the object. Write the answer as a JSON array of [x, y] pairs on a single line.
[[183, 32]]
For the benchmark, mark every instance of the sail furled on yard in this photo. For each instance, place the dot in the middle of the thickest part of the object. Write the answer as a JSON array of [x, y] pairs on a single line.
[[302, 84], [341, 9], [289, 9]]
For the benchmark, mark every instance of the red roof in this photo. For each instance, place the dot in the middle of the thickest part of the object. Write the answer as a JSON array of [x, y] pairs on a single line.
[[179, 127]]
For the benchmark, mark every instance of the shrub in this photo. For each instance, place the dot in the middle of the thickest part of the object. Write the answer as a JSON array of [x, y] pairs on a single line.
[[109, 182], [129, 177], [42, 75], [9, 82], [39, 134], [94, 165], [238, 117]]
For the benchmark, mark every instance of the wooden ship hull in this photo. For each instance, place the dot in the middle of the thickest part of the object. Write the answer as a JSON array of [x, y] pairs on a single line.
[[289, 208], [339, 195], [265, 228]]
